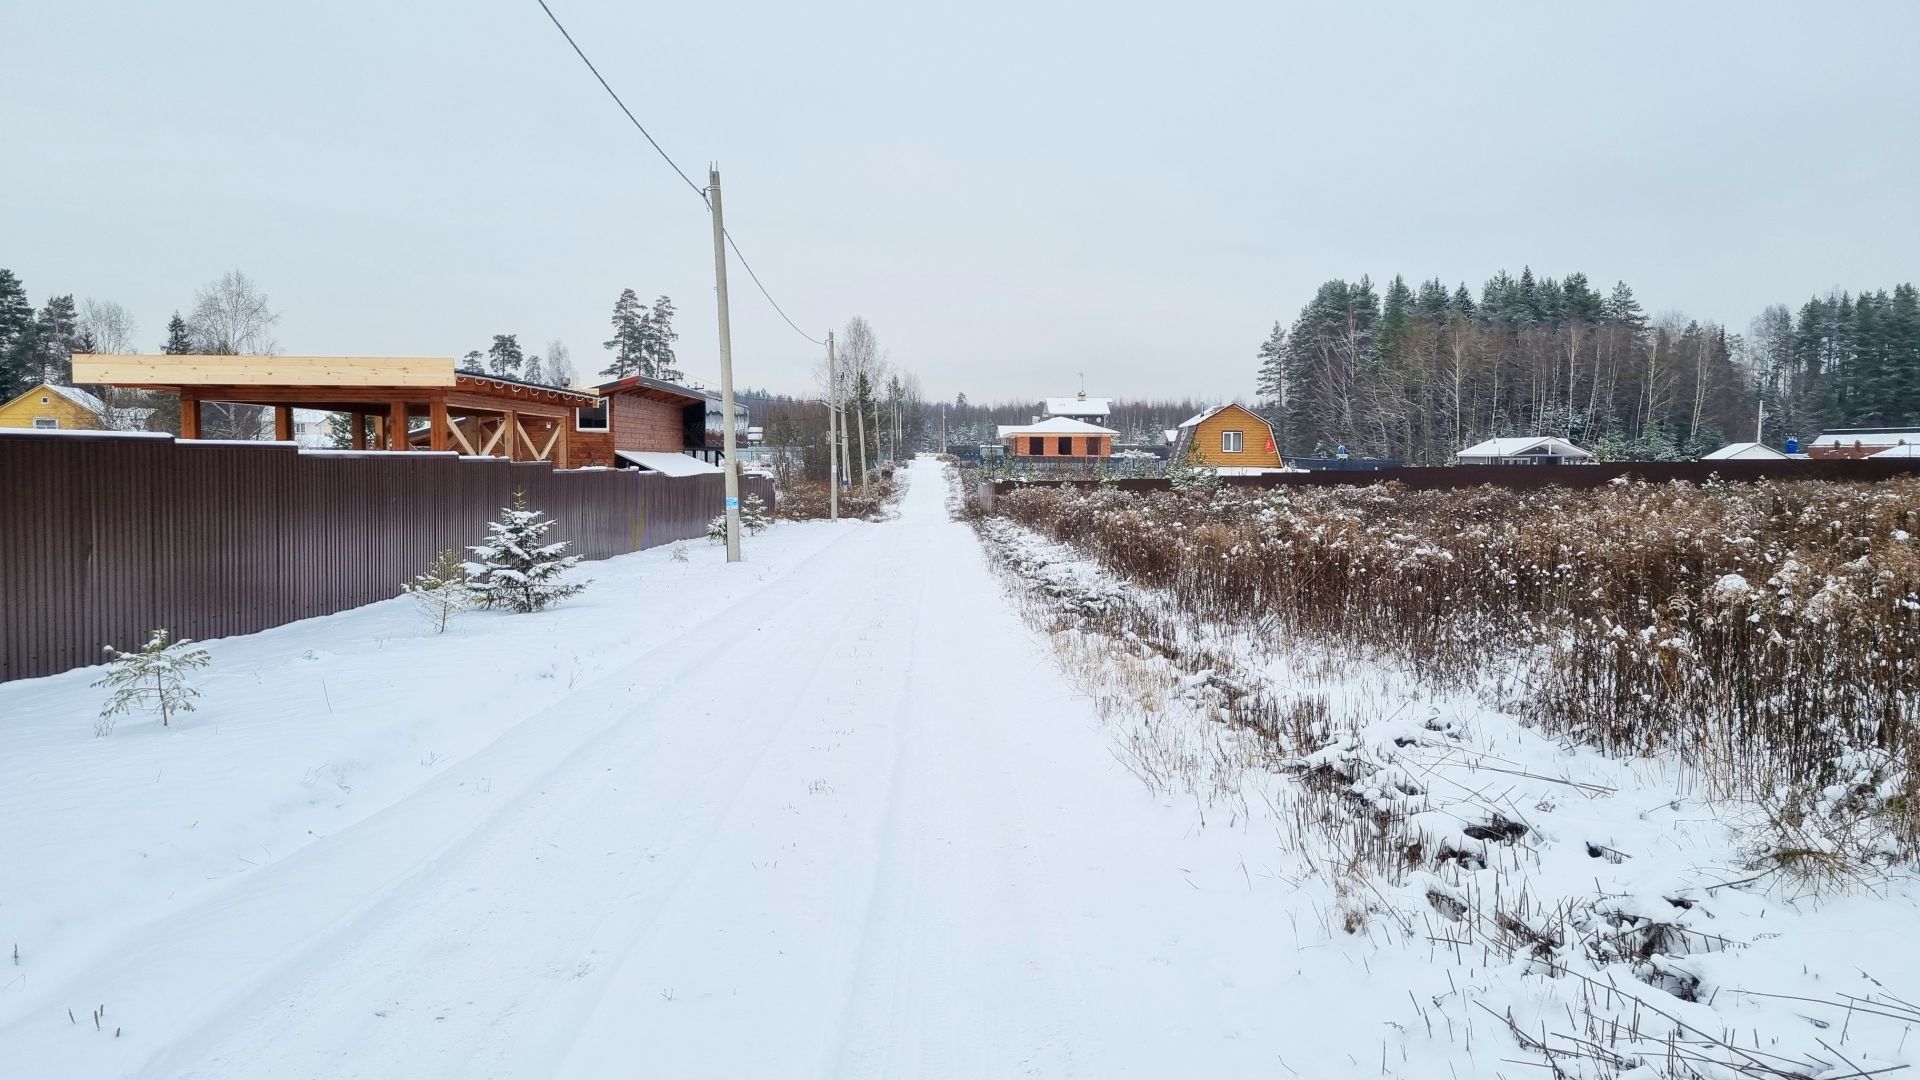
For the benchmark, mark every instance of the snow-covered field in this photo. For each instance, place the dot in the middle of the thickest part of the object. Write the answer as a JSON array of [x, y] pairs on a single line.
[[846, 810]]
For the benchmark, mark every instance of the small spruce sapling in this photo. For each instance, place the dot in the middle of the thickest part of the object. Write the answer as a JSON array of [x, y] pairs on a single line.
[[515, 569], [717, 529], [152, 677], [442, 590], [753, 514]]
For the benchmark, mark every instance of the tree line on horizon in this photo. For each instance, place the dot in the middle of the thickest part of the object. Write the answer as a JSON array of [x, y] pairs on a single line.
[[1416, 374]]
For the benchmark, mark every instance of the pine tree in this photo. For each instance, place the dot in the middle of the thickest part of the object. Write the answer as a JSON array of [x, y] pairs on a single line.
[[151, 677], [659, 361], [166, 407], [514, 569], [629, 342], [442, 590], [16, 337], [504, 358], [1272, 379], [56, 328]]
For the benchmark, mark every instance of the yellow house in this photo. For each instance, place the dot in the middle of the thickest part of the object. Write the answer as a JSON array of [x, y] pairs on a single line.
[[49, 407], [1229, 437]]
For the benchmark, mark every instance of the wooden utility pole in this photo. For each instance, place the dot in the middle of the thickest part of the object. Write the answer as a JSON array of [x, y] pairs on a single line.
[[726, 366], [833, 435]]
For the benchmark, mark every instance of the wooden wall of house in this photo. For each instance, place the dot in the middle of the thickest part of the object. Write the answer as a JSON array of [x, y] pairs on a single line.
[[40, 401], [1256, 441]]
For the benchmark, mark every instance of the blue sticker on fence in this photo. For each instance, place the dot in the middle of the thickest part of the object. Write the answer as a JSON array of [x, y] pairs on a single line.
[[733, 503]]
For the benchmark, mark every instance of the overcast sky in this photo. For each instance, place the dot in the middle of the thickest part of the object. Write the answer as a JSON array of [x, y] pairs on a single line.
[[1011, 192]]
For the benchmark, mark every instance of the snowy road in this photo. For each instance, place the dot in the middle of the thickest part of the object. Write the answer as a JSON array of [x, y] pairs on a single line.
[[855, 824]]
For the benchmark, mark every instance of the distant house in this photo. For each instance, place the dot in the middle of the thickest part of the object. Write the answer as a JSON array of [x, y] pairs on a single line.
[[1860, 442], [1081, 407], [1524, 450], [1745, 451], [1058, 436], [54, 408], [1904, 450], [1228, 437]]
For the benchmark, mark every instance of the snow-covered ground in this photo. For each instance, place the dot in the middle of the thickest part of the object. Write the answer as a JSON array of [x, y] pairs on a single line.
[[843, 811]]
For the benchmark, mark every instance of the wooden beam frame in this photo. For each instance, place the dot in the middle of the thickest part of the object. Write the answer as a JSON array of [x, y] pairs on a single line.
[[397, 426], [263, 371], [189, 415], [283, 423], [437, 424]]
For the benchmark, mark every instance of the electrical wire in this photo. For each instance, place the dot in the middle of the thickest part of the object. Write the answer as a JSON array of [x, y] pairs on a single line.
[[763, 289], [697, 189], [664, 156]]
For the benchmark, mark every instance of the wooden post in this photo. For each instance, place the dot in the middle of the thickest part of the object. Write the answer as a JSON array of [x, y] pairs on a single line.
[[512, 432], [283, 423], [437, 413], [566, 425], [359, 429], [189, 415], [397, 425]]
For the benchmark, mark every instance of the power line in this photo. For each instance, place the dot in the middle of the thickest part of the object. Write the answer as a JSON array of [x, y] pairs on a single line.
[[763, 289], [697, 189]]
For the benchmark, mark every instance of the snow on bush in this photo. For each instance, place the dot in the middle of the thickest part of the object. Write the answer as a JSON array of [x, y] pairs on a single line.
[[152, 677], [515, 569], [442, 590]]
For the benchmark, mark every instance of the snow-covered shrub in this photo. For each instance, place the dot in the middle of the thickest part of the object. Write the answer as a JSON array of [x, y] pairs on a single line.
[[679, 554], [152, 677], [515, 569], [1761, 631], [717, 529], [442, 590]]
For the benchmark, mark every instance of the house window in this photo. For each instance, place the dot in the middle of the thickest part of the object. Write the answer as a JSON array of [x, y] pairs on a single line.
[[594, 419], [1066, 446], [46, 423], [1036, 446], [1231, 442]]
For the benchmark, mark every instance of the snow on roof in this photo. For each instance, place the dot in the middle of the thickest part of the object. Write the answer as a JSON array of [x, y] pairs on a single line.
[[1058, 425], [668, 464], [1517, 446], [1079, 406], [1867, 437], [1743, 450], [81, 398], [1904, 450]]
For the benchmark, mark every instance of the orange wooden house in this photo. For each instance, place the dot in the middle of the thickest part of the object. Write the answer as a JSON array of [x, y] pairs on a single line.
[[1058, 436], [1229, 437]]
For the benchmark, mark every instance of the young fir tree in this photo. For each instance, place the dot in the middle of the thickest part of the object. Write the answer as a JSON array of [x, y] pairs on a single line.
[[753, 514], [717, 529], [515, 569], [152, 677], [442, 590]]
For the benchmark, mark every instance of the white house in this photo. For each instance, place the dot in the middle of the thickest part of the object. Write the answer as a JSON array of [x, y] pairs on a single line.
[[1082, 408], [1745, 451], [1524, 450], [1904, 450]]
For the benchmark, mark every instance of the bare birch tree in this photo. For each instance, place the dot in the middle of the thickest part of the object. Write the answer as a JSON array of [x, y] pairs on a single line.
[[231, 317]]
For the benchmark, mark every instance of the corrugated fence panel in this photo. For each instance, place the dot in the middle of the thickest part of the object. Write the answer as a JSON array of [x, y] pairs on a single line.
[[105, 538]]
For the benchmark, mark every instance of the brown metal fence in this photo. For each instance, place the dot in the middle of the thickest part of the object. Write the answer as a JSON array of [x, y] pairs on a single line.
[[105, 538], [1441, 477]]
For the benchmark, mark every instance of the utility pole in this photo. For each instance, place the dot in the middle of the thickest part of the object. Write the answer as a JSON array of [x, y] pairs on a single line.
[[726, 365], [1760, 425], [833, 435]]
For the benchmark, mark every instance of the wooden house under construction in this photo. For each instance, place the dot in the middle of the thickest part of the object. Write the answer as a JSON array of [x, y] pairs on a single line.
[[402, 403]]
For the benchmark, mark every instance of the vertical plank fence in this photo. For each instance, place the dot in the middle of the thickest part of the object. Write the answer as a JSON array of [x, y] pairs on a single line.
[[103, 538]]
